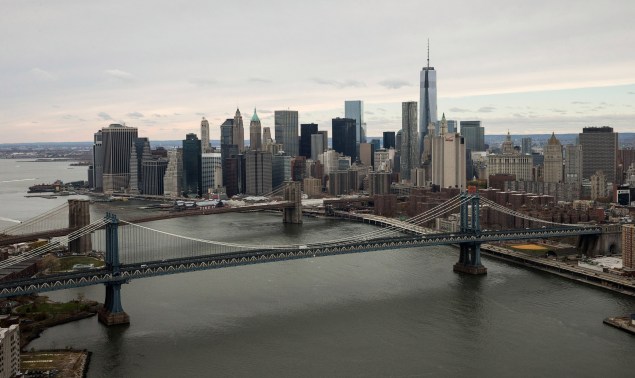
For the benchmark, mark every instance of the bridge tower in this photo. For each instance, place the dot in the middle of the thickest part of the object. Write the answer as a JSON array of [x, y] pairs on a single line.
[[112, 313], [470, 252], [293, 193], [78, 217]]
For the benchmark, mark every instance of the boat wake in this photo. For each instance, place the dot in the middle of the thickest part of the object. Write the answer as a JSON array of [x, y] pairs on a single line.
[[28, 179], [9, 220]]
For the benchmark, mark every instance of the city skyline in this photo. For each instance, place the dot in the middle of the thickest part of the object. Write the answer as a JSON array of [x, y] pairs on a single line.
[[537, 74]]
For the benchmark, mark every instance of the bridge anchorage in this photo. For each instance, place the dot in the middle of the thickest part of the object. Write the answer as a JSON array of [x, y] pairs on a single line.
[[112, 313], [470, 252]]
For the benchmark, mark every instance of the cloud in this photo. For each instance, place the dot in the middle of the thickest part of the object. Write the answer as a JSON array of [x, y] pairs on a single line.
[[258, 80], [458, 110], [42, 74], [104, 116], [135, 115], [200, 114], [340, 84], [201, 82], [119, 75], [561, 111], [580, 102], [68, 116], [631, 92], [368, 112], [486, 109], [157, 115], [394, 83]]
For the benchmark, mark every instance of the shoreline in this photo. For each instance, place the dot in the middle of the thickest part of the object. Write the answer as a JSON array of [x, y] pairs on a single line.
[[599, 280]]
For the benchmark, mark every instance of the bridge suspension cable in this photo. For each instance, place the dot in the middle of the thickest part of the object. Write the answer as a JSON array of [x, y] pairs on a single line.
[[56, 218], [514, 213], [54, 243], [417, 220]]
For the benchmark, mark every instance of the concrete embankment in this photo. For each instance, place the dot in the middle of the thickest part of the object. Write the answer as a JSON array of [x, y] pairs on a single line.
[[603, 280]]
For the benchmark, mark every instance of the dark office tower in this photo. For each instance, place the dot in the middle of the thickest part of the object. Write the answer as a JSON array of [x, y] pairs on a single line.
[[286, 129], [238, 131], [205, 135], [525, 146], [140, 153], [281, 169], [398, 138], [376, 144], [389, 139], [306, 130], [258, 172], [231, 175], [153, 172], [192, 165], [113, 156], [599, 152], [227, 132], [355, 110], [409, 139], [474, 135], [298, 168], [428, 100], [344, 137], [98, 163], [255, 133], [452, 127]]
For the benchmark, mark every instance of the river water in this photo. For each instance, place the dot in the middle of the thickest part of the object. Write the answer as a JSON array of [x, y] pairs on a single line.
[[392, 313]]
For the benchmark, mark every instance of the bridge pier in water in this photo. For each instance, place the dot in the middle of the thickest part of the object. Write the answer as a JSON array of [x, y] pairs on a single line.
[[293, 193], [470, 259], [470, 252], [112, 313]]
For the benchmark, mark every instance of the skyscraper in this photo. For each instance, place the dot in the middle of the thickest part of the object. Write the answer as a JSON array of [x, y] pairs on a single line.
[[355, 110], [227, 132], [117, 142], [286, 130], [474, 135], [205, 135], [212, 171], [258, 167], [428, 100], [153, 173], [409, 139], [599, 151], [525, 146], [173, 179], [138, 155], [192, 166], [306, 130], [255, 134], [238, 131], [448, 158], [389, 139], [573, 164], [344, 137], [553, 160], [317, 146]]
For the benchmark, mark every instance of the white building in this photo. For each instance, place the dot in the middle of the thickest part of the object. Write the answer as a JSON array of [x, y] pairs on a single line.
[[173, 179], [510, 162], [10, 351], [212, 171], [448, 158], [553, 160]]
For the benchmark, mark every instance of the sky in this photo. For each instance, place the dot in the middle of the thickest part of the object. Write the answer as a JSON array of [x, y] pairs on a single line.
[[69, 68]]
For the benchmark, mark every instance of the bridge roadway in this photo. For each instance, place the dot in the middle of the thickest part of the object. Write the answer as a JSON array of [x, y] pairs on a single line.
[[248, 257], [12, 239]]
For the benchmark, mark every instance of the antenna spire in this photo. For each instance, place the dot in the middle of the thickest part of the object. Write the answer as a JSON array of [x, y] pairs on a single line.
[[428, 52]]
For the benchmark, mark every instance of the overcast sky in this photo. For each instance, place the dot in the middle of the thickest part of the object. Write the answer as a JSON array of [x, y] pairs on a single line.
[[68, 68]]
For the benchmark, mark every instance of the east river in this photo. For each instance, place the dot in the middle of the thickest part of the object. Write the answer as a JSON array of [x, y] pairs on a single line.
[[395, 313]]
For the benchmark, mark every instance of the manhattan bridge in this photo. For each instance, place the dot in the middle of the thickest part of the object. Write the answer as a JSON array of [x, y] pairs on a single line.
[[134, 251]]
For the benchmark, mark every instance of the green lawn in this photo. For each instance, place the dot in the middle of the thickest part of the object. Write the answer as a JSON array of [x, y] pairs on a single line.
[[66, 263]]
